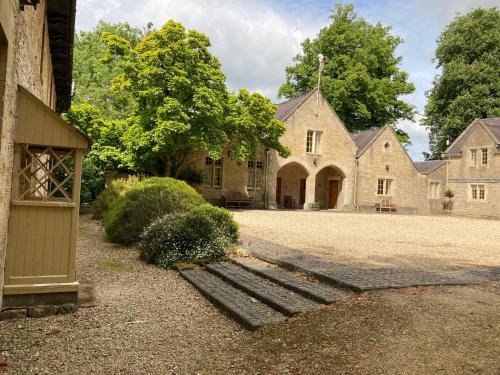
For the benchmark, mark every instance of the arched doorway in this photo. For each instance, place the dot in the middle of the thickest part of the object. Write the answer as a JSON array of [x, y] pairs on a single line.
[[291, 186], [328, 190]]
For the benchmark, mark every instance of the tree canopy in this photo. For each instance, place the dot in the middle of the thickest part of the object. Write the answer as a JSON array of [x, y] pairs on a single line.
[[181, 102], [361, 78], [468, 53], [93, 78]]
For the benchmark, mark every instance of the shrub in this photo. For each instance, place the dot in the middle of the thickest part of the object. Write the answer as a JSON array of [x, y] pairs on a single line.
[[191, 176], [115, 190], [143, 203], [201, 234]]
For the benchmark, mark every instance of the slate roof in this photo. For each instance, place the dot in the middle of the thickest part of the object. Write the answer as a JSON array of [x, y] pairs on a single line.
[[287, 108], [426, 167], [492, 124], [364, 138]]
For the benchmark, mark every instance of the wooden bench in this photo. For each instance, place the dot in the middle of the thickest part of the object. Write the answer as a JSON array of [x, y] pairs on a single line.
[[237, 199], [385, 205]]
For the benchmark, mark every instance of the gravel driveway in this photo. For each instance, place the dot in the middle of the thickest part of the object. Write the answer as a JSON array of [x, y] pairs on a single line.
[[425, 242], [150, 321]]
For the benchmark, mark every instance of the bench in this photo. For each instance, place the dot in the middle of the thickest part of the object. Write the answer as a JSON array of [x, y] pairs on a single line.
[[385, 205], [237, 199]]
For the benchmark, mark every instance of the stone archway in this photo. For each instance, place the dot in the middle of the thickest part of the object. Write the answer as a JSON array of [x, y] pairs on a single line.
[[329, 187], [291, 186]]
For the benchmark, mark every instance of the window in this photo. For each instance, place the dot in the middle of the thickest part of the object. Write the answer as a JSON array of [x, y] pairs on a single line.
[[317, 142], [473, 157], [313, 141], [484, 156], [387, 145], [255, 175], [309, 141], [212, 175], [46, 174], [478, 192], [434, 190], [384, 187]]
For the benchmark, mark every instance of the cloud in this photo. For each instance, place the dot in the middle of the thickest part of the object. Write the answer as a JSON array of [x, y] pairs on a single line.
[[255, 40]]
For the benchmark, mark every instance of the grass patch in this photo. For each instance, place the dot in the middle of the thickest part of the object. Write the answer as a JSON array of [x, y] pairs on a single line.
[[112, 265]]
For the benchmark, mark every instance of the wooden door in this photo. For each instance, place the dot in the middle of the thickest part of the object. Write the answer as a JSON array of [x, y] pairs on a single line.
[[278, 191], [302, 197], [333, 193]]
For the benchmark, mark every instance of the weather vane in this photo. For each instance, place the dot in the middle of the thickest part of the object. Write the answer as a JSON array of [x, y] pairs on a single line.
[[321, 60]]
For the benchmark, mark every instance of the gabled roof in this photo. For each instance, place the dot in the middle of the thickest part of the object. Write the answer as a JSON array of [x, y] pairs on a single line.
[[492, 126], [364, 138], [285, 109], [426, 167]]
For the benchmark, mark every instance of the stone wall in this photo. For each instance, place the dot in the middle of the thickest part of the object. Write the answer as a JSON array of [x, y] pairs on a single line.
[[337, 150], [462, 174], [27, 66], [234, 177], [435, 205], [387, 159]]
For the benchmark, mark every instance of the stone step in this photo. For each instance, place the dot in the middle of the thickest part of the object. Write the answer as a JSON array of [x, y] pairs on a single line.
[[316, 291], [239, 305], [323, 272], [281, 299]]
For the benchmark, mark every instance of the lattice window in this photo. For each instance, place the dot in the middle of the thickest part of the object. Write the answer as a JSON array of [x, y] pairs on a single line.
[[46, 174]]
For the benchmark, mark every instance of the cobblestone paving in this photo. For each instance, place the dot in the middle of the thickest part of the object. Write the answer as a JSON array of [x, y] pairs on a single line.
[[319, 292], [249, 311], [278, 297], [361, 279]]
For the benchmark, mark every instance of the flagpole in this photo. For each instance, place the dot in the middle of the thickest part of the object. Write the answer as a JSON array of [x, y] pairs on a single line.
[[321, 60]]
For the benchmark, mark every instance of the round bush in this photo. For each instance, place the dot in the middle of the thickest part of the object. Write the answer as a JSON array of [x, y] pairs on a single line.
[[108, 196], [202, 234], [144, 202]]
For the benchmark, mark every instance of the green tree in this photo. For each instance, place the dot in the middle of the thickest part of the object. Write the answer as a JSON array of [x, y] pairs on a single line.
[[182, 104], [93, 78], [468, 87], [361, 78], [107, 151]]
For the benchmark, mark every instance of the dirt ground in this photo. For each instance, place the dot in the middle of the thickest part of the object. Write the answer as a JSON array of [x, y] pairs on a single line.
[[427, 242], [150, 321]]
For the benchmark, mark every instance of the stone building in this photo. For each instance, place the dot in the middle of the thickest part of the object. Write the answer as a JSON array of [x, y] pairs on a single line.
[[473, 169], [330, 168], [40, 154]]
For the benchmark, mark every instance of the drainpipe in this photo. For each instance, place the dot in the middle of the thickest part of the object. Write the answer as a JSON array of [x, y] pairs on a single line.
[[266, 196], [355, 192]]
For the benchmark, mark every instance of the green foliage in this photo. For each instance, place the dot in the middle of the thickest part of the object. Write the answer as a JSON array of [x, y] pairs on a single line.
[[92, 181], [110, 195], [203, 233], [449, 194], [182, 104], [361, 79], [107, 151], [93, 78], [143, 203], [191, 176], [468, 87]]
